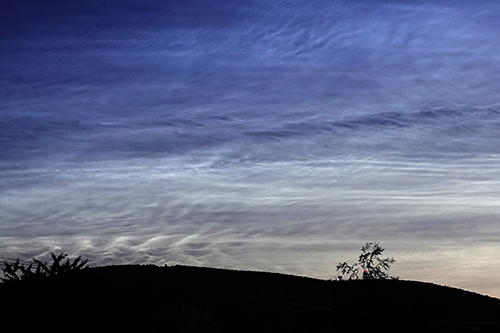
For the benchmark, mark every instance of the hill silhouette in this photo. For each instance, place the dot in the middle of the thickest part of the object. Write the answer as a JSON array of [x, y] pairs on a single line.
[[196, 299]]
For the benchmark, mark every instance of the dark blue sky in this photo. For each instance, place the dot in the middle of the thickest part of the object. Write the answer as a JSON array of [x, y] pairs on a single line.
[[267, 135]]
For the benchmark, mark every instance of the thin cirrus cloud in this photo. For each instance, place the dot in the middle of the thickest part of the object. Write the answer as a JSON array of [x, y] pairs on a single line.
[[255, 135]]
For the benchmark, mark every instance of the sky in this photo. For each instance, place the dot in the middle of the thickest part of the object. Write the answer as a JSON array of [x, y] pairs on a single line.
[[260, 135]]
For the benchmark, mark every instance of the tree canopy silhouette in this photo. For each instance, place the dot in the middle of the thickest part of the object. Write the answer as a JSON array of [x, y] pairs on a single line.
[[369, 264]]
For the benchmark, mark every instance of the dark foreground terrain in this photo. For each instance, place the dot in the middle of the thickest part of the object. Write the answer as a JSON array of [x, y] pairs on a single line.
[[191, 299]]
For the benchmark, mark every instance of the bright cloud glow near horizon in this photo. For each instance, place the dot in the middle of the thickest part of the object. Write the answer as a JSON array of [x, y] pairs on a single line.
[[254, 135]]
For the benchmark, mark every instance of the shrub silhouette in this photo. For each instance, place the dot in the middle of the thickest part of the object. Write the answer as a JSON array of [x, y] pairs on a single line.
[[369, 263], [18, 272]]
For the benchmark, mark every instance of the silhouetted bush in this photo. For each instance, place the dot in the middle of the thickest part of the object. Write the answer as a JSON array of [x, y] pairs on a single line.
[[18, 272]]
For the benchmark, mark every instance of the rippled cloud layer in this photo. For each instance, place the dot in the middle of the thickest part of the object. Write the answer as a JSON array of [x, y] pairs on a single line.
[[254, 135]]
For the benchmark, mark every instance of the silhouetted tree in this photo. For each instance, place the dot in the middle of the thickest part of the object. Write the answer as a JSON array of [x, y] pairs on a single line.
[[18, 272], [369, 263]]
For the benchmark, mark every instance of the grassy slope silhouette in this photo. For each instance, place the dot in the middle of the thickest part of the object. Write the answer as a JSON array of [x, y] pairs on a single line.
[[196, 299]]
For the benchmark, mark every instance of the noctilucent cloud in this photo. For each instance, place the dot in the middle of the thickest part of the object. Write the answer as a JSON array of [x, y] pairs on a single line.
[[254, 135]]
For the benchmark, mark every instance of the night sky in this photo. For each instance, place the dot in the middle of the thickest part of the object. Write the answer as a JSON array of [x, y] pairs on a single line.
[[258, 135]]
